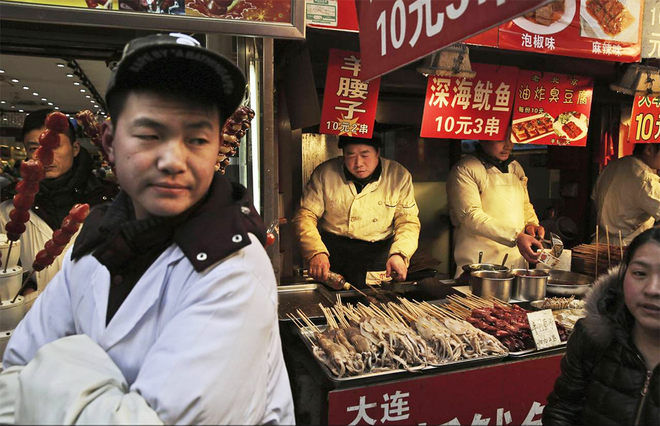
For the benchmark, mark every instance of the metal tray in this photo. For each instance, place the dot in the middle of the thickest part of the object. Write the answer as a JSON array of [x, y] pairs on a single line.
[[534, 351], [303, 296], [435, 367]]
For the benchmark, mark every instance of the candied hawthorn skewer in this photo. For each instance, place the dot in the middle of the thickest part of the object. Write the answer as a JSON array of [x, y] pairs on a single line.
[[32, 172], [233, 130], [55, 246]]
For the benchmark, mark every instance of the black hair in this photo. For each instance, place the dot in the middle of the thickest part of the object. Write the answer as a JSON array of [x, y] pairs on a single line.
[[346, 140], [37, 119], [639, 148]]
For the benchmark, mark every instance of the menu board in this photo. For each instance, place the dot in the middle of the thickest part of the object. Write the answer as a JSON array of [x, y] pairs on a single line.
[[349, 104], [470, 108], [551, 109], [599, 29], [645, 120]]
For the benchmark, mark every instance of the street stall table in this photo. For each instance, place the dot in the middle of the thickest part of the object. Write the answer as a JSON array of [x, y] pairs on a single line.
[[502, 390]]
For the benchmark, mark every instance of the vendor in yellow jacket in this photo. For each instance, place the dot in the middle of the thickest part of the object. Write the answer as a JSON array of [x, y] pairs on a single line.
[[490, 209], [358, 214]]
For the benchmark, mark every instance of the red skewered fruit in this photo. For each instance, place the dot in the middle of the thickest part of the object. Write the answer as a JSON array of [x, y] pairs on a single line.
[[27, 187], [233, 130], [20, 216], [49, 139], [44, 155], [32, 170], [61, 237], [57, 121]]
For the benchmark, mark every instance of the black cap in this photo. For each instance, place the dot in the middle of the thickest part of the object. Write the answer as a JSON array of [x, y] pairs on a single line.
[[178, 60], [347, 140]]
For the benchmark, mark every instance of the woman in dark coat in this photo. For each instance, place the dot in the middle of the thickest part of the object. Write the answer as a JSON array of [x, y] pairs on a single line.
[[611, 370]]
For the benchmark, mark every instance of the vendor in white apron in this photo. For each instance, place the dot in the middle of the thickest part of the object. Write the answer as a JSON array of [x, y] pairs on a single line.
[[358, 214], [490, 209], [627, 195]]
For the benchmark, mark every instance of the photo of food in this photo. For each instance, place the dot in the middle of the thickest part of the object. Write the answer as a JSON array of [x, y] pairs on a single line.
[[610, 20], [528, 129], [571, 126], [549, 19], [246, 10]]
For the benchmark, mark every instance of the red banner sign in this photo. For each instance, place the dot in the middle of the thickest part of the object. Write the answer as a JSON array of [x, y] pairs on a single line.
[[645, 120], [551, 109], [599, 29], [503, 394], [395, 33], [349, 104], [470, 108]]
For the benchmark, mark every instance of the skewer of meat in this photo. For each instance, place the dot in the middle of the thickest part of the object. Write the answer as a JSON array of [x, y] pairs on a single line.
[[233, 130]]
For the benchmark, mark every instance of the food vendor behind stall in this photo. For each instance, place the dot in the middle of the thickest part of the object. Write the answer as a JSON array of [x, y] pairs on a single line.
[[627, 194], [490, 208], [358, 214]]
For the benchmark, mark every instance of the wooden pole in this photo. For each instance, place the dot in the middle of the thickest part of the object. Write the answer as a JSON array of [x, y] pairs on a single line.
[[11, 244], [23, 286], [621, 246]]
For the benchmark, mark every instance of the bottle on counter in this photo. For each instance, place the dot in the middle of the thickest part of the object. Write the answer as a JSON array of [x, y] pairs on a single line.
[[337, 281]]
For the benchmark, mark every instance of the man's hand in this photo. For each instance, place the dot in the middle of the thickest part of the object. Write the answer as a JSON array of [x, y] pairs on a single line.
[[396, 264], [535, 231], [526, 244], [319, 265]]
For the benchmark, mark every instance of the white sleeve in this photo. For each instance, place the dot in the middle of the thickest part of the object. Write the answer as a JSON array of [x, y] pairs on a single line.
[[73, 381], [8, 394], [212, 362], [50, 318]]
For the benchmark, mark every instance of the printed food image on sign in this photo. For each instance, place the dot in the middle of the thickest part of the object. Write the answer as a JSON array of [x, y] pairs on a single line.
[[551, 109], [549, 19], [245, 10], [169, 7], [610, 20]]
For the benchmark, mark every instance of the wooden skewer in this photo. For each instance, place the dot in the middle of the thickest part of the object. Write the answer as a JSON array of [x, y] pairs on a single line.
[[596, 259], [607, 237], [25, 283], [11, 244], [620, 245]]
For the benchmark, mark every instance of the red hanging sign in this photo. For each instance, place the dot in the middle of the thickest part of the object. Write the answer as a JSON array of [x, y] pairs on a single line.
[[349, 104], [502, 394], [470, 108], [551, 109], [645, 120], [608, 30], [395, 33]]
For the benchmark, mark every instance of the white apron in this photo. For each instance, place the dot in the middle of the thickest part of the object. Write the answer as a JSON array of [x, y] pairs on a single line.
[[503, 197]]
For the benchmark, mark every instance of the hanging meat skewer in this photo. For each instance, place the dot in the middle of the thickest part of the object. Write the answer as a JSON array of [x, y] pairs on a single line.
[[61, 237], [32, 172], [233, 130]]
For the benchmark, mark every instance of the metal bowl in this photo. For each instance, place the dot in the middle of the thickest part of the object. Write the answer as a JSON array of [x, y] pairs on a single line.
[[492, 283], [484, 267], [530, 284], [564, 283]]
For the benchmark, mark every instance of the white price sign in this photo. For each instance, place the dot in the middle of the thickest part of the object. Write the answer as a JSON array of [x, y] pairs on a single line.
[[544, 329]]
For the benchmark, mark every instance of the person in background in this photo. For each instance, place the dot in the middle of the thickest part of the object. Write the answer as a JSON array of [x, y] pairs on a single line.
[[165, 310], [358, 214], [490, 209], [627, 194], [611, 371], [69, 181]]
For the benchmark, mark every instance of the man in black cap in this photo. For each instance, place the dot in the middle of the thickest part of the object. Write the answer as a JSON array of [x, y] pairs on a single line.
[[358, 214], [165, 311]]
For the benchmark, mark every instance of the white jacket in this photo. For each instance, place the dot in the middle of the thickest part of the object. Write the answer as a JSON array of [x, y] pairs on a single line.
[[627, 197], [383, 209], [37, 233], [193, 348]]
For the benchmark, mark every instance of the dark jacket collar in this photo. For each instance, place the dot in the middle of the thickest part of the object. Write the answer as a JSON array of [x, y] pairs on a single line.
[[212, 230], [489, 161], [361, 183]]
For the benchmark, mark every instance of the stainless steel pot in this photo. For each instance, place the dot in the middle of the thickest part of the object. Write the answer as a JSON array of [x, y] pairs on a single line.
[[484, 267], [564, 283], [530, 284], [492, 283]]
